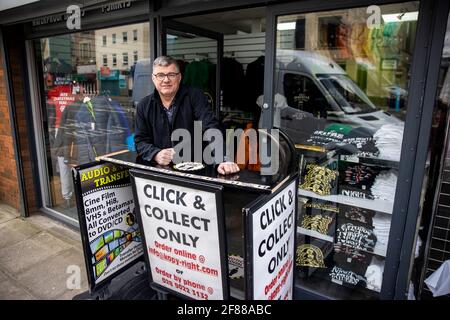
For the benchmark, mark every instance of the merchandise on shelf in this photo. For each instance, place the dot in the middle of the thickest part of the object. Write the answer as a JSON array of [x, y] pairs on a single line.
[[384, 185], [374, 274], [320, 179], [318, 216], [356, 214], [347, 277], [353, 234], [389, 141], [313, 255]]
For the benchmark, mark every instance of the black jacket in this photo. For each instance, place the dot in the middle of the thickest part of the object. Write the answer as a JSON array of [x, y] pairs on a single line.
[[153, 130]]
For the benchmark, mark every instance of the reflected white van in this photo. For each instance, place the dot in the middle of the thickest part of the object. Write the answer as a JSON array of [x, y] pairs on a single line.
[[318, 89]]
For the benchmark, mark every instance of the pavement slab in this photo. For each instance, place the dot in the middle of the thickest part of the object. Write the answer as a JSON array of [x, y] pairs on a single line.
[[11, 291], [16, 230], [7, 213], [26, 254], [60, 275]]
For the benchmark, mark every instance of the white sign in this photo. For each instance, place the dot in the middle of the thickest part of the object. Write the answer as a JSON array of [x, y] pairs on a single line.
[[273, 247], [181, 231], [89, 68]]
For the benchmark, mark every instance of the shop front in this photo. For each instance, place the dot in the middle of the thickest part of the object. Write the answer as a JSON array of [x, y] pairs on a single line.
[[351, 83]]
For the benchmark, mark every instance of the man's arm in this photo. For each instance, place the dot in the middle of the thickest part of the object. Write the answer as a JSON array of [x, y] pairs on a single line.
[[143, 138]]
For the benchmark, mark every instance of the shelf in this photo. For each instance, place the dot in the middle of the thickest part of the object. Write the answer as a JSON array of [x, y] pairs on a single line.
[[314, 234], [375, 205], [370, 161], [317, 235]]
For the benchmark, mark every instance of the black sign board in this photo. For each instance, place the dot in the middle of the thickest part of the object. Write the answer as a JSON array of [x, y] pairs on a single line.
[[109, 229]]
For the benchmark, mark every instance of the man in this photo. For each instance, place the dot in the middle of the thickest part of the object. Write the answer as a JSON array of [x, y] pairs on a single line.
[[172, 106]]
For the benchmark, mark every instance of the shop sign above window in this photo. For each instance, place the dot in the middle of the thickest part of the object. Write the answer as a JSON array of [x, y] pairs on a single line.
[[61, 17]]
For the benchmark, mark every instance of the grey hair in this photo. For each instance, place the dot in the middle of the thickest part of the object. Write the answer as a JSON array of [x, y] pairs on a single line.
[[164, 61]]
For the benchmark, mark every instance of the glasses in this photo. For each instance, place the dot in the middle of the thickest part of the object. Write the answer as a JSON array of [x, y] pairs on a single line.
[[170, 75]]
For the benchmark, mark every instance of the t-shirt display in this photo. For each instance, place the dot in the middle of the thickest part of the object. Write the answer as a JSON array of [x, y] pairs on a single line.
[[340, 243], [384, 185], [355, 235], [389, 140], [319, 179]]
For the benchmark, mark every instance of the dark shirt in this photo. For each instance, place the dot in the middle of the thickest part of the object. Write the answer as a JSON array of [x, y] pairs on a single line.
[[170, 112]]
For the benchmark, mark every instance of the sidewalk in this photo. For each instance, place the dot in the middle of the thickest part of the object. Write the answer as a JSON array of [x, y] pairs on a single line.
[[34, 256]]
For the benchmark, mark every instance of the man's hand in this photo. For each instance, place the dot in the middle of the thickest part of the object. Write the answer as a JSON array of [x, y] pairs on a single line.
[[227, 168], [165, 156]]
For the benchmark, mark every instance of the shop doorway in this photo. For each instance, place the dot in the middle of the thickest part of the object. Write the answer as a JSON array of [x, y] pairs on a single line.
[[199, 53], [223, 54]]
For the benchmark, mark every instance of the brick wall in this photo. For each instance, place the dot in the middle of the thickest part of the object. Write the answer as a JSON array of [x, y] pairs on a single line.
[[15, 44], [9, 185]]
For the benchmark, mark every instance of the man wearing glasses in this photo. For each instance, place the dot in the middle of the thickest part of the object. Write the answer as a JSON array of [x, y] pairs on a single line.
[[172, 106]]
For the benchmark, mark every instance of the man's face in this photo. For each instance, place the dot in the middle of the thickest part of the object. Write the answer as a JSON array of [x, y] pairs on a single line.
[[168, 86]]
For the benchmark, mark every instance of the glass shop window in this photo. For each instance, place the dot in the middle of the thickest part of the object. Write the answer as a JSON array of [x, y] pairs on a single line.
[[303, 94], [340, 92], [88, 107]]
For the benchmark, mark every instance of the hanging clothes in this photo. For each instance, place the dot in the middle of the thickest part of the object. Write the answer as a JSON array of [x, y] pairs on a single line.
[[358, 39], [90, 129], [202, 74], [95, 120], [196, 74], [343, 32], [254, 80], [233, 84], [118, 124], [58, 98]]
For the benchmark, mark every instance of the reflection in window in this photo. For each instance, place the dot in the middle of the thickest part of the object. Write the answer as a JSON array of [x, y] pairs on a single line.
[[340, 91], [89, 101], [302, 93], [346, 93]]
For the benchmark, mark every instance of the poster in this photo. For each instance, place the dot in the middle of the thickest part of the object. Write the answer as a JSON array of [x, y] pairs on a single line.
[[272, 248], [110, 231], [183, 230]]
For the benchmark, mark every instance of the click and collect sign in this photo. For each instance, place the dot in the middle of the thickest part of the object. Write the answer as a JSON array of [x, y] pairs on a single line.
[[183, 229], [271, 248]]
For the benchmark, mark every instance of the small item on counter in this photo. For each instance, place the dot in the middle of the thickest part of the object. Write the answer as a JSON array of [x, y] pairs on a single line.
[[189, 166]]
